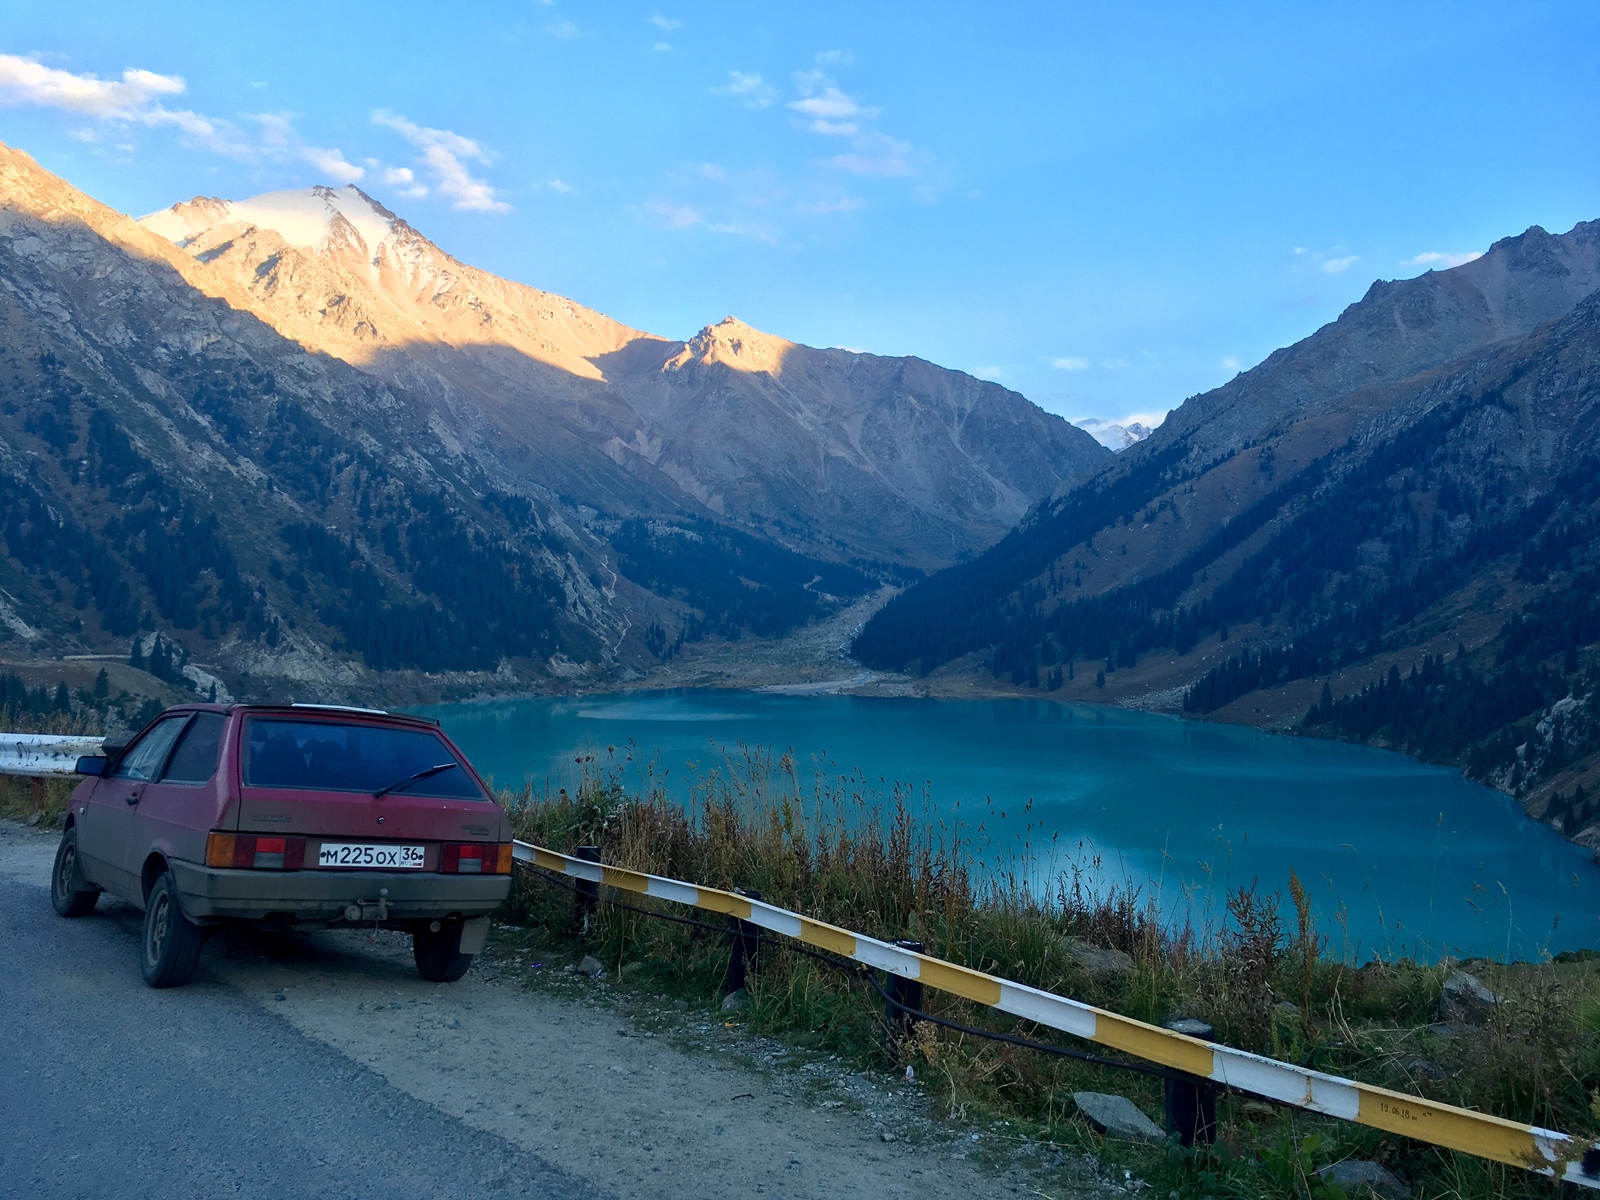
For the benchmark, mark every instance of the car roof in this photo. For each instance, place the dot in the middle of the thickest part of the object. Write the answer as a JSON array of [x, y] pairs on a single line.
[[323, 710]]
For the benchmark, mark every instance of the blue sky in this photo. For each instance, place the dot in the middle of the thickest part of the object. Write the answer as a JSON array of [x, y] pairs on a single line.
[[1106, 207]]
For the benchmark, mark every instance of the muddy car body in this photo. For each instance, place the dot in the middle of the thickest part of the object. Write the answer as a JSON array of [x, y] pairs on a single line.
[[288, 816]]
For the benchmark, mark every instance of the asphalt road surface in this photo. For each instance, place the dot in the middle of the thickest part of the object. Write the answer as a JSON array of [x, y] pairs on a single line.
[[113, 1089], [320, 1065]]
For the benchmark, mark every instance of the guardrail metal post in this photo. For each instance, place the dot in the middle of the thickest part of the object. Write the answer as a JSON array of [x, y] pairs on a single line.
[[588, 893], [746, 939], [903, 993], [1192, 1101]]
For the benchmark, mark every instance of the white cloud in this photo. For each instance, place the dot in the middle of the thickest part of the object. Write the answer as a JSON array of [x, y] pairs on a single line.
[[821, 207], [875, 154], [1337, 266], [660, 46], [560, 185], [752, 90], [1231, 362], [676, 216], [446, 154], [835, 58], [1437, 258], [561, 27], [332, 163], [131, 98], [836, 113], [995, 373], [712, 171], [1070, 364], [403, 180], [664, 23], [830, 104]]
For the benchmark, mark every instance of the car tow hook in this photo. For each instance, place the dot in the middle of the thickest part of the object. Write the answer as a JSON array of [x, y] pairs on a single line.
[[367, 909]]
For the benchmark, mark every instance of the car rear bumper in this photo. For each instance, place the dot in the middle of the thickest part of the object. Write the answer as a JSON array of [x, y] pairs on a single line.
[[325, 895]]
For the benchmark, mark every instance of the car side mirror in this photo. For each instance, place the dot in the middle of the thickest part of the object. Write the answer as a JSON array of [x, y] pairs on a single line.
[[91, 764]]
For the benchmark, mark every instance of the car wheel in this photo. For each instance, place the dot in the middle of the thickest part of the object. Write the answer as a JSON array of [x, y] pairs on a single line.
[[170, 947], [438, 955], [68, 895]]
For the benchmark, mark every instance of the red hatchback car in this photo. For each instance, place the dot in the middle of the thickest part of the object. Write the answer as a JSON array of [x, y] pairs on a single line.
[[298, 816]]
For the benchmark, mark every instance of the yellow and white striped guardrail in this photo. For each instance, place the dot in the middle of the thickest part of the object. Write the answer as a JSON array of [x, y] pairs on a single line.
[[1543, 1150]]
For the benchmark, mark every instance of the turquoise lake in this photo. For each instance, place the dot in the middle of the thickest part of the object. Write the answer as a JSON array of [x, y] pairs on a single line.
[[1400, 857]]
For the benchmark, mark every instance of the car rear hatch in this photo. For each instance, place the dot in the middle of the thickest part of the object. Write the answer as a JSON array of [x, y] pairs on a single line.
[[363, 793]]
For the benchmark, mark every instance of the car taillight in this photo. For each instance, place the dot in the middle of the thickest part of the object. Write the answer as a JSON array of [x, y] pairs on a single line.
[[475, 858], [252, 852]]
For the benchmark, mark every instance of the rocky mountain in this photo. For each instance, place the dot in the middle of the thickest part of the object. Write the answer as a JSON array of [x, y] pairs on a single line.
[[289, 445], [1390, 530], [1112, 435], [842, 454]]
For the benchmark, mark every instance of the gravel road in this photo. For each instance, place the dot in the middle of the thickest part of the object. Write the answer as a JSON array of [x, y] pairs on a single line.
[[321, 1065]]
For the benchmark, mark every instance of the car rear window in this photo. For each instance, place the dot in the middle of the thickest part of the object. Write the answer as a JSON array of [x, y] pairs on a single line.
[[335, 756]]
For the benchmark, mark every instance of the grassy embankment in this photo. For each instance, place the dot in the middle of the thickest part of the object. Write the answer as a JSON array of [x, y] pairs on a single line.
[[1262, 977]]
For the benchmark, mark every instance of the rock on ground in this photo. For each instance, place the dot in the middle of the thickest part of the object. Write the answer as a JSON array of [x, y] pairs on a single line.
[[1360, 1177], [1117, 1116]]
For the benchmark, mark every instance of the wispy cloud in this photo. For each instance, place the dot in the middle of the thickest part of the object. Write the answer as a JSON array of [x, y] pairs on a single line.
[[404, 180], [560, 185], [1070, 364], [445, 154], [135, 98], [1338, 266], [676, 216], [1230, 362], [1439, 258], [750, 88], [667, 24], [562, 27], [832, 112], [131, 98], [666, 214], [280, 138], [823, 207], [662, 46]]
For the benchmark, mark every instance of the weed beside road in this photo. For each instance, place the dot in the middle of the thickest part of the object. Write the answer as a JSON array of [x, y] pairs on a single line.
[[1262, 976]]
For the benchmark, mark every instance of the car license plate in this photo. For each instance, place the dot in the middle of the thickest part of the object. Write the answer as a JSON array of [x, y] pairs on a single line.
[[389, 858]]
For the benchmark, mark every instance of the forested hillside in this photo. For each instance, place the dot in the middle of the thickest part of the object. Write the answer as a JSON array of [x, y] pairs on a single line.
[[1446, 520]]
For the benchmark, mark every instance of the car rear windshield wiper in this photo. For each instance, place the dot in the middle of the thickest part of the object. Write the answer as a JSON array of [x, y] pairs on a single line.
[[425, 773]]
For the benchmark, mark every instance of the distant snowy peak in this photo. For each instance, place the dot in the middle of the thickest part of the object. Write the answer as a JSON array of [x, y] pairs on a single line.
[[1114, 436], [317, 219]]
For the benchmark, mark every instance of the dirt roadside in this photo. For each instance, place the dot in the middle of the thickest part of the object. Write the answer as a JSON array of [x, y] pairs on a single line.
[[639, 1103]]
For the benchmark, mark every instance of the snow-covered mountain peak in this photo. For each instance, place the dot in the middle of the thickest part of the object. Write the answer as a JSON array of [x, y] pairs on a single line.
[[312, 218], [1114, 436]]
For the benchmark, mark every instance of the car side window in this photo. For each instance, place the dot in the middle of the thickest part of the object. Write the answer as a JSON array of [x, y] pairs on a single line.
[[143, 759], [195, 759]]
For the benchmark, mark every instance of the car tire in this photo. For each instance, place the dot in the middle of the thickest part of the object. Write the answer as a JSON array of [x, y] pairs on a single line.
[[68, 895], [438, 955], [169, 948]]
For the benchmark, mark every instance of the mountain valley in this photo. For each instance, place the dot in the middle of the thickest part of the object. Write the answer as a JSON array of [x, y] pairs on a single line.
[[308, 453]]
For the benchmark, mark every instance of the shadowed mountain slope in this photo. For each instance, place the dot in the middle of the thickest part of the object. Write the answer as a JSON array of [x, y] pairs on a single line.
[[1413, 481]]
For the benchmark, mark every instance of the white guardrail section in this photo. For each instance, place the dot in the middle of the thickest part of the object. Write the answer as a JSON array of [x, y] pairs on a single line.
[[44, 753], [1543, 1150]]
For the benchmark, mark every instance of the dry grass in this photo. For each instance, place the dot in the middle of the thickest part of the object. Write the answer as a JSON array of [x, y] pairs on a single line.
[[886, 866]]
